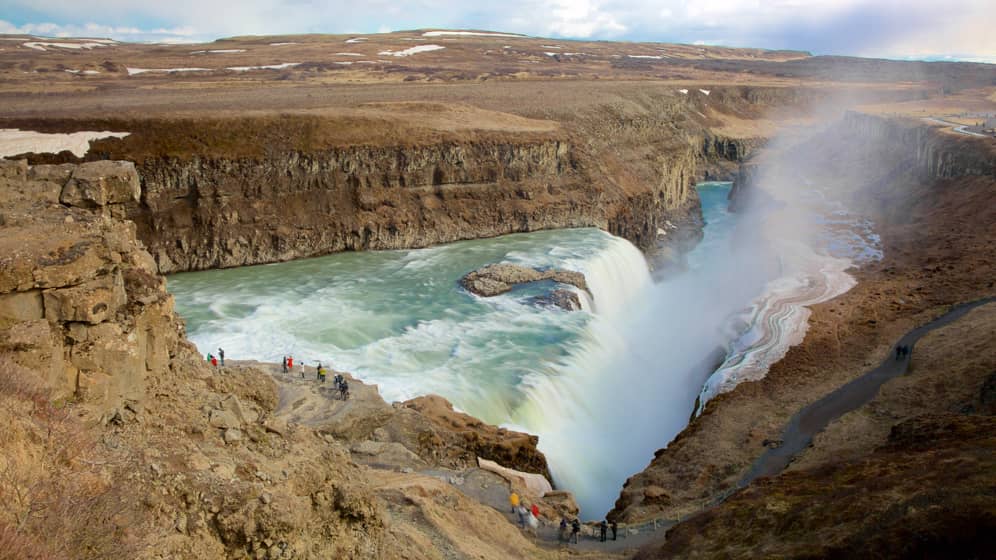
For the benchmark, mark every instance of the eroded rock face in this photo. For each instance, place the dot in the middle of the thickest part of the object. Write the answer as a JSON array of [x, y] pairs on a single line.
[[100, 321], [496, 279], [97, 183]]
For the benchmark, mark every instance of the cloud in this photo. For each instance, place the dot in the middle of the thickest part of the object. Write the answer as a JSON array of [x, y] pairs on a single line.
[[892, 28], [122, 33]]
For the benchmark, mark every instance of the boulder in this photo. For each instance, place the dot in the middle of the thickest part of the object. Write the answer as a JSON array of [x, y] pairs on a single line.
[[224, 419], [99, 183]]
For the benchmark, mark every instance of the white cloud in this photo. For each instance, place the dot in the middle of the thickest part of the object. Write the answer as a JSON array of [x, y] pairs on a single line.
[[863, 27], [123, 33]]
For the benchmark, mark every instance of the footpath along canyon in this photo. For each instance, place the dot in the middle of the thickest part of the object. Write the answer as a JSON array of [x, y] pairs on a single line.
[[661, 285]]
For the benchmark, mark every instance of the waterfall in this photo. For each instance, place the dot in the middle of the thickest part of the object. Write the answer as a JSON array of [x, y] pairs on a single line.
[[615, 275]]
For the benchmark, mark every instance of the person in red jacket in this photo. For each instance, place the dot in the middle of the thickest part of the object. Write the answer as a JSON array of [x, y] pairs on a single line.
[[535, 510], [290, 363]]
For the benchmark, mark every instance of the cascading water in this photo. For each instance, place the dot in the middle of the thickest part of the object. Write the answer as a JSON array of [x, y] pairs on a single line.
[[602, 389]]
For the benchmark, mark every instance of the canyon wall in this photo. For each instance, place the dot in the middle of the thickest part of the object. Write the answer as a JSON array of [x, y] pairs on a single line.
[[894, 148], [219, 210]]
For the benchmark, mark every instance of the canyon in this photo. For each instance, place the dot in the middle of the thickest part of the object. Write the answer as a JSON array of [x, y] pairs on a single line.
[[218, 171]]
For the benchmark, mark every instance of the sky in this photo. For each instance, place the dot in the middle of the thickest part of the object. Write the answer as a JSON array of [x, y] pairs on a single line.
[[916, 29]]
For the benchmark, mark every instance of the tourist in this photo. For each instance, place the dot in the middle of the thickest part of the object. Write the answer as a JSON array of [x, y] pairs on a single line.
[[221, 354], [210, 357], [285, 364], [344, 390], [602, 527], [562, 534], [535, 511], [302, 370], [614, 527], [318, 372], [899, 352], [575, 529], [214, 361], [522, 512], [290, 362], [514, 500]]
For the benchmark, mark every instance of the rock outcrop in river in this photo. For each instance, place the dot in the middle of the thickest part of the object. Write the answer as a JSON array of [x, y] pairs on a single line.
[[495, 279]]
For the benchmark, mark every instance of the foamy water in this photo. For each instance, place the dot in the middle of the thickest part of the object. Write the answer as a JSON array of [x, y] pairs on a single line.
[[603, 388]]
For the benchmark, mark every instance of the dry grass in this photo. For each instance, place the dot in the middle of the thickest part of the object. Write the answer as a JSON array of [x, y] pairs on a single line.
[[57, 499]]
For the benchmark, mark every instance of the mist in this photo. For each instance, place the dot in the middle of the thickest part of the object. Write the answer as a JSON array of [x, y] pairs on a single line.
[[741, 300]]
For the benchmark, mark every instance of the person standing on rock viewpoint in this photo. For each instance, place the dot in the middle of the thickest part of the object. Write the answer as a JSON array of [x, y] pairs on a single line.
[[285, 364], [302, 370], [602, 528], [614, 527], [575, 529], [535, 511], [221, 354], [290, 363], [514, 500]]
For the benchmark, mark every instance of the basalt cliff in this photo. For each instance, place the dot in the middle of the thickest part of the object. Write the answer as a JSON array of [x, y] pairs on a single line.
[[223, 192]]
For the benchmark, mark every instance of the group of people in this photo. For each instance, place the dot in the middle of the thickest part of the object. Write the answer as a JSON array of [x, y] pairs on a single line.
[[570, 531], [213, 360], [527, 517], [321, 374], [339, 382], [902, 351]]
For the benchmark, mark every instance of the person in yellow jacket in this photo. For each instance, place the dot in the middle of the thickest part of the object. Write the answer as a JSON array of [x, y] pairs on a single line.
[[514, 500]]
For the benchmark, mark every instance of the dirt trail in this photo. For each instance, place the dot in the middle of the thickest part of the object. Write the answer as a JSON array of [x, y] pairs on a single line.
[[814, 418]]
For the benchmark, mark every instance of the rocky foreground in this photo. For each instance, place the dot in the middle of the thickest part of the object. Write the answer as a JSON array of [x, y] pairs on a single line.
[[122, 442]]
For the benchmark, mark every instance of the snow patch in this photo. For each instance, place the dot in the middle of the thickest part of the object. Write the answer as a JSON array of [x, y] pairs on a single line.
[[348, 54], [14, 141], [705, 91], [550, 47], [40, 45], [87, 72], [280, 66], [468, 34], [134, 71], [356, 40], [412, 50], [650, 56], [219, 51], [282, 44], [683, 91]]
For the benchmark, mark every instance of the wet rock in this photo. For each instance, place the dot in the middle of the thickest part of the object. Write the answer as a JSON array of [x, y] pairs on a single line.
[[560, 299], [495, 279]]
